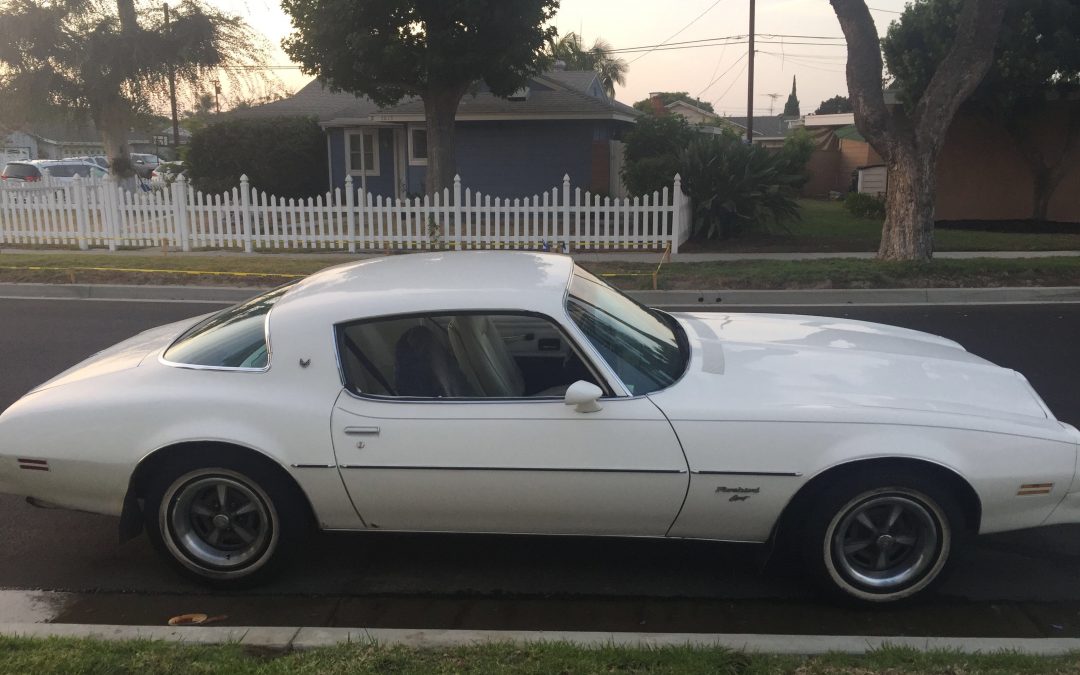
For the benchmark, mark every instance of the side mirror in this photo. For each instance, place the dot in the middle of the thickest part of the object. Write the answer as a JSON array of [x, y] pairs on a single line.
[[583, 396]]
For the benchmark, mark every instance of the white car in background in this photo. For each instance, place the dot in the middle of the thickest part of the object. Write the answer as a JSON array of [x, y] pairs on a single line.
[[60, 170], [503, 392]]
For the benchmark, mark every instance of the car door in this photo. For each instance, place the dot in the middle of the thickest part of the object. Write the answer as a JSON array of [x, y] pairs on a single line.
[[496, 451]]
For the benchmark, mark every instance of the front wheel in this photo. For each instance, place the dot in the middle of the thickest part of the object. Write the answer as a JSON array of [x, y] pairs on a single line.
[[225, 526], [885, 542]]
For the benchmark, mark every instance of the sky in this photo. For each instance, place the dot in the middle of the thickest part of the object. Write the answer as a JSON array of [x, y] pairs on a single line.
[[714, 73]]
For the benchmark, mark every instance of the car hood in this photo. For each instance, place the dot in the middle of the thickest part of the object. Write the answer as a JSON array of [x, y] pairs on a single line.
[[772, 362], [121, 356]]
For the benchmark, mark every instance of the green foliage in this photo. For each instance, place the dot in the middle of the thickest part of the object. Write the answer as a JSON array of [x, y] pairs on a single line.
[[89, 58], [571, 50], [796, 152], [791, 108], [737, 188], [864, 205], [652, 152], [388, 49], [285, 156], [834, 106], [666, 97], [1037, 53]]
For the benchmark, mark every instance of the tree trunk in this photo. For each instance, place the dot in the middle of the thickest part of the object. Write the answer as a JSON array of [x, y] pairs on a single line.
[[908, 233], [1046, 172], [1044, 185], [113, 119], [440, 109]]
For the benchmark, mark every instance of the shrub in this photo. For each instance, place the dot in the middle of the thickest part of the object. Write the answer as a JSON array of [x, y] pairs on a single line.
[[285, 156], [796, 151], [865, 206], [736, 188], [652, 152]]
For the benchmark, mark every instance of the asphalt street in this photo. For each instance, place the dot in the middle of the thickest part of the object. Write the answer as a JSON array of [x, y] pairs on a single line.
[[1019, 584]]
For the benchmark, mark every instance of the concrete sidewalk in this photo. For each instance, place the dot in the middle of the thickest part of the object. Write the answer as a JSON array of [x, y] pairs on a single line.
[[582, 256]]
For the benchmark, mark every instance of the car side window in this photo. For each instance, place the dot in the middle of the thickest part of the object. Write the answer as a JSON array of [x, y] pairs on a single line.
[[463, 355]]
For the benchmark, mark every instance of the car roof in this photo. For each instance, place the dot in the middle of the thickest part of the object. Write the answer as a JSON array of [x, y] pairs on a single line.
[[432, 282]]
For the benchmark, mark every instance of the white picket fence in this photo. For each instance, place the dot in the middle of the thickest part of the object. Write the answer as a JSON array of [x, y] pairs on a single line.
[[99, 213]]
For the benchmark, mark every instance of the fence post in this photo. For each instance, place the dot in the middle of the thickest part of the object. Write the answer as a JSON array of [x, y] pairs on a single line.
[[677, 212], [457, 212], [109, 190], [180, 213], [350, 213], [565, 211], [78, 192], [245, 211]]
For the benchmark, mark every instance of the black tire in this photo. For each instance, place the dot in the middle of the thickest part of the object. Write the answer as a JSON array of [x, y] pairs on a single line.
[[265, 520], [881, 537]]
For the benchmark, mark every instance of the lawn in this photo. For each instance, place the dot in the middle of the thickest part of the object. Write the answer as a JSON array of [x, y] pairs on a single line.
[[43, 657], [826, 227], [271, 270]]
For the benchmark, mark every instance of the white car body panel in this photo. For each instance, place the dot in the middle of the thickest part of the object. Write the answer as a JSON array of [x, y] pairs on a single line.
[[766, 404]]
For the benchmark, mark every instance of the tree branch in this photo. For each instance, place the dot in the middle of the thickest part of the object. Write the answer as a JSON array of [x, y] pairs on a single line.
[[961, 71], [864, 68]]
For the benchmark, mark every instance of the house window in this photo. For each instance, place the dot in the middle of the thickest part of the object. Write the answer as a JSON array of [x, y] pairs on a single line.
[[362, 148], [417, 146]]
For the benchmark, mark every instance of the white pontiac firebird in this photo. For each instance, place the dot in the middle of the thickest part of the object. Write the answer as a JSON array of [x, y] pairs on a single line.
[[517, 393]]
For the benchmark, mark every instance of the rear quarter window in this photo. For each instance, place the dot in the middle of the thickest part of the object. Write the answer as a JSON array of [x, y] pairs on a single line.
[[233, 338], [21, 171]]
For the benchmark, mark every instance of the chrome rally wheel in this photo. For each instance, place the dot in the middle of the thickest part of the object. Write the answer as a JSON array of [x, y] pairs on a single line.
[[886, 544]]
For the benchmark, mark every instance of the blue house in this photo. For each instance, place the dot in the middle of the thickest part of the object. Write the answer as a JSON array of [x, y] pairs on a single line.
[[561, 123]]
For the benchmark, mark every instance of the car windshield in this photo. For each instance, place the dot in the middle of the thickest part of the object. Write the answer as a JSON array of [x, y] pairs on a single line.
[[643, 348], [66, 170], [233, 338]]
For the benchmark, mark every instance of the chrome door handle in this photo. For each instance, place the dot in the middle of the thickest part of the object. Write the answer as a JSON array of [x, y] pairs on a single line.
[[361, 431]]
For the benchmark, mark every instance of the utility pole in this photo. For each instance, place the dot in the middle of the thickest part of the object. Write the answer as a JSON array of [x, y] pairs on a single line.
[[750, 80], [172, 91], [217, 96]]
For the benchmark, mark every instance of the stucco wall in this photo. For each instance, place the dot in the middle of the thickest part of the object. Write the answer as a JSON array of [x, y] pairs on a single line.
[[982, 175]]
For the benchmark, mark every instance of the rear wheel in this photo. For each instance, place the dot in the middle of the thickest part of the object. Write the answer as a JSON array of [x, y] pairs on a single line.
[[882, 539], [227, 526]]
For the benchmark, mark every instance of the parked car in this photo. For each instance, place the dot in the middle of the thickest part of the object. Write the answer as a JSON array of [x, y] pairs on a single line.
[[503, 392], [144, 164], [61, 170], [167, 172], [100, 160]]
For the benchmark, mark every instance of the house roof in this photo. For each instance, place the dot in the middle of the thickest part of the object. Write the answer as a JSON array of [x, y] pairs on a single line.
[[553, 95], [75, 133], [684, 104], [765, 126]]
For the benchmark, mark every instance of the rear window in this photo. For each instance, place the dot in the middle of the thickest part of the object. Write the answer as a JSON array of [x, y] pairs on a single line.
[[233, 338], [21, 171]]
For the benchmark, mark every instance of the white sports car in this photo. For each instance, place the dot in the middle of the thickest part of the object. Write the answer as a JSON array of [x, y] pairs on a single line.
[[517, 393]]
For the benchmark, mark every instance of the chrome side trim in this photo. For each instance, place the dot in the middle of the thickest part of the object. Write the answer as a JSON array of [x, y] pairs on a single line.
[[788, 474], [313, 466], [508, 468]]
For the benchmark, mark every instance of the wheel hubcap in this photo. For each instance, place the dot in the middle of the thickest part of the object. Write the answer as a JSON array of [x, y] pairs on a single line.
[[885, 542], [218, 521]]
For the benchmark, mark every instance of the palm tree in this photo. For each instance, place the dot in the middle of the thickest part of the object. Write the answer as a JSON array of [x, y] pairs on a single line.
[[109, 61], [570, 49]]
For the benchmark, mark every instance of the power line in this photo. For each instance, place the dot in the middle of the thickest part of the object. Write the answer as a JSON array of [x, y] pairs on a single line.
[[676, 33], [719, 77], [745, 66], [885, 11], [718, 39]]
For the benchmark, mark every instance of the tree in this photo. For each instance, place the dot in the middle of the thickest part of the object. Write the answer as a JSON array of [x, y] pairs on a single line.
[[83, 57], [434, 49], [910, 140], [834, 106], [652, 152], [791, 108], [1037, 58], [571, 50], [666, 97]]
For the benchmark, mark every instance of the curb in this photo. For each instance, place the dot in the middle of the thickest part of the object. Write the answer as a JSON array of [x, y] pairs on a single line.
[[309, 638], [680, 299]]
